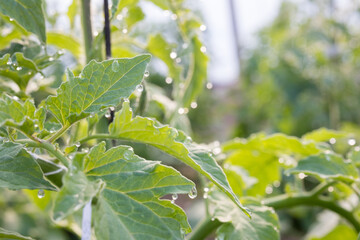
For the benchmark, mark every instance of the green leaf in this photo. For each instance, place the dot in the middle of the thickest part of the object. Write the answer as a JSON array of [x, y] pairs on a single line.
[[5, 234], [71, 13], [77, 190], [129, 206], [327, 166], [158, 46], [64, 41], [172, 142], [263, 225], [19, 169], [98, 86], [323, 135], [118, 5], [28, 13], [22, 116], [195, 84], [339, 232], [354, 156]]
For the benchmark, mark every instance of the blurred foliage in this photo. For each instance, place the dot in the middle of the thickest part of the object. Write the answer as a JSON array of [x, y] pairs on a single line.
[[304, 72]]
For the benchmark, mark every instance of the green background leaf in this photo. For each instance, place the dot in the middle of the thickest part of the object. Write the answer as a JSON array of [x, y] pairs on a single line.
[[28, 13], [5, 234]]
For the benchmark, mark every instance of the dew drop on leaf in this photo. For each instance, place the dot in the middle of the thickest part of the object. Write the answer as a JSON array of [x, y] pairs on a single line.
[[115, 66], [212, 219], [51, 59], [182, 232], [248, 210], [139, 88], [9, 62], [11, 19], [41, 193], [351, 142], [168, 80], [15, 98], [77, 144], [112, 108], [174, 196], [193, 193], [173, 55], [193, 105], [178, 60], [146, 74], [124, 31], [107, 114], [126, 100], [209, 86], [203, 49], [18, 68]]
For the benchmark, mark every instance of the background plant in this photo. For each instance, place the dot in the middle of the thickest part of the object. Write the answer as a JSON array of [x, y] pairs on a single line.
[[76, 140]]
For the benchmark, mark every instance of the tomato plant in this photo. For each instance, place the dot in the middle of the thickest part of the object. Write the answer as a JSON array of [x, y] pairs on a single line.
[[72, 139]]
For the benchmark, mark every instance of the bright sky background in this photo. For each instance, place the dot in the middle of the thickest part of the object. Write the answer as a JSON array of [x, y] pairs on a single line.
[[251, 16]]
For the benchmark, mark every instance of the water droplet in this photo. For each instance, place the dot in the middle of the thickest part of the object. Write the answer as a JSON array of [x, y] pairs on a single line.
[[193, 193], [115, 66], [126, 100], [178, 60], [61, 52], [203, 49], [302, 175], [331, 189], [276, 183], [193, 105], [16, 98], [181, 111], [173, 16], [18, 68], [332, 140], [248, 210], [128, 153], [41, 193], [124, 31], [203, 28], [36, 125], [168, 80], [146, 74], [77, 144], [206, 195], [185, 45], [11, 19], [357, 149], [182, 232], [92, 115], [119, 17], [209, 85], [269, 190], [51, 59], [174, 197], [139, 88], [9, 62], [29, 73], [351, 142], [188, 139], [96, 33], [212, 219], [112, 108], [281, 160], [107, 114], [85, 150], [173, 55]]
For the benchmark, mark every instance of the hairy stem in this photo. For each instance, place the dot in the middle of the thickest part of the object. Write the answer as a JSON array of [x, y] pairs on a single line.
[[204, 228], [59, 133], [87, 29], [48, 147]]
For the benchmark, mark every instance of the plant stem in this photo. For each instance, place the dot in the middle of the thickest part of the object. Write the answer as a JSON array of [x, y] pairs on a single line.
[[59, 133], [288, 201], [98, 136], [87, 29], [107, 30], [204, 228], [47, 146]]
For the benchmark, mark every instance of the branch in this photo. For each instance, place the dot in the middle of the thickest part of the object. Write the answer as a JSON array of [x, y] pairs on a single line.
[[204, 228], [47, 146], [87, 29], [298, 199]]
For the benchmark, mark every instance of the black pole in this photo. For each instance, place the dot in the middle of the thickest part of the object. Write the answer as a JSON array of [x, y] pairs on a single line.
[[234, 26], [107, 30]]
